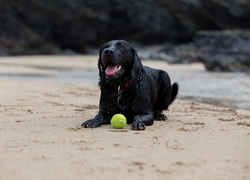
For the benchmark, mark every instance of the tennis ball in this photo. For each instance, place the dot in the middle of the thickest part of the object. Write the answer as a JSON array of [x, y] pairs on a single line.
[[118, 121]]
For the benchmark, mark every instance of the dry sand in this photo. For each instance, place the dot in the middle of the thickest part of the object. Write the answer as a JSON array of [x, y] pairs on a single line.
[[41, 136]]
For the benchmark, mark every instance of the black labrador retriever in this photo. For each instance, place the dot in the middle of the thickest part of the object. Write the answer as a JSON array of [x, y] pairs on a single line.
[[139, 92]]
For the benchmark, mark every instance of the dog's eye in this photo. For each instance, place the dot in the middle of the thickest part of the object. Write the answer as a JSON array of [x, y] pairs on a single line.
[[105, 47], [121, 47]]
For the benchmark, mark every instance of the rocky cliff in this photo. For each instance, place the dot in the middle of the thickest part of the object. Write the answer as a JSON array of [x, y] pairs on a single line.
[[226, 51], [53, 26]]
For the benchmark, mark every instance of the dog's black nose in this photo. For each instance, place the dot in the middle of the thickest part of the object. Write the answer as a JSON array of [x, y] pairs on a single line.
[[108, 51]]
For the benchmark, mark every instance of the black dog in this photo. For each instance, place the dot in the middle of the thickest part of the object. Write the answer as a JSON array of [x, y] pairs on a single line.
[[139, 92]]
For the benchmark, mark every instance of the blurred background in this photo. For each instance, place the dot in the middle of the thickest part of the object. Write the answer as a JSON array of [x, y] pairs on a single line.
[[213, 32], [31, 27]]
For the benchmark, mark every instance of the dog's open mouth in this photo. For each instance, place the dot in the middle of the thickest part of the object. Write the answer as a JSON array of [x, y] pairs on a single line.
[[114, 70]]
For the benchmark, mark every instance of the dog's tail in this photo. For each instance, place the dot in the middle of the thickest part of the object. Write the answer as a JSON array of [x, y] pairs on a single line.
[[174, 93]]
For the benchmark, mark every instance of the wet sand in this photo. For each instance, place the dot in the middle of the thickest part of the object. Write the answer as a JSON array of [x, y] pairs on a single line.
[[41, 136]]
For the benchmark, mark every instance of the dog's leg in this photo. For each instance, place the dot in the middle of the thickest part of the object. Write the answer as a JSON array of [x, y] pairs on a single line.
[[141, 121], [163, 97], [103, 116], [97, 121]]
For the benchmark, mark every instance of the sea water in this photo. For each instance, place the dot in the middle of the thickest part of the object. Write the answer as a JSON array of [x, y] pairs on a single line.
[[225, 89]]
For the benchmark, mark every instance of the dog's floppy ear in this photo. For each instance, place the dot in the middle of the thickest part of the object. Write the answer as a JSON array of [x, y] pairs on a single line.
[[100, 65], [137, 65]]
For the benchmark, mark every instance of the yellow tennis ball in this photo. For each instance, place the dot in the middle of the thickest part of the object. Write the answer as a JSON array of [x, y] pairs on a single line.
[[118, 121]]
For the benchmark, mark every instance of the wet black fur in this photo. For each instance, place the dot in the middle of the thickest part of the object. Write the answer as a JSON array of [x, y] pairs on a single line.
[[142, 102]]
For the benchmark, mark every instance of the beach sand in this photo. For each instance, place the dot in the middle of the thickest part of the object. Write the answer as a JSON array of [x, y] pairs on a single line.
[[41, 135]]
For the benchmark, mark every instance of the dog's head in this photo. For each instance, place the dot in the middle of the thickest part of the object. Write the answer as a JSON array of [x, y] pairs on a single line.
[[118, 61]]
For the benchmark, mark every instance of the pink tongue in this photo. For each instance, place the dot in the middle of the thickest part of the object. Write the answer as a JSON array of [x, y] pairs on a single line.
[[111, 69]]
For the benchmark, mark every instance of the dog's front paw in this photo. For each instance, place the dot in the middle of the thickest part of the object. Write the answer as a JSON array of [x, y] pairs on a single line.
[[92, 123], [138, 125]]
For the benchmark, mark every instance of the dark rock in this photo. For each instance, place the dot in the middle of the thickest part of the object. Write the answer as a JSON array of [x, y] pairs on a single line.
[[50, 26], [181, 54], [185, 54], [224, 50], [157, 52]]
